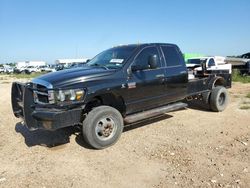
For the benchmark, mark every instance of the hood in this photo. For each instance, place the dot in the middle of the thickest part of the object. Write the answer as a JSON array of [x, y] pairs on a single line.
[[74, 75]]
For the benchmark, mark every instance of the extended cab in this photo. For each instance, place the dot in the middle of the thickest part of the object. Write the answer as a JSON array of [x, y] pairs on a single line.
[[119, 86]]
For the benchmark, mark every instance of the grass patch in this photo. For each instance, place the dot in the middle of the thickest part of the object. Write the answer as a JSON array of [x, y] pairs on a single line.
[[237, 77], [236, 96], [246, 102], [25, 76], [5, 82], [248, 95], [245, 107]]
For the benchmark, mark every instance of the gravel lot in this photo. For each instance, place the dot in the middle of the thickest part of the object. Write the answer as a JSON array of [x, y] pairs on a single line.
[[188, 148]]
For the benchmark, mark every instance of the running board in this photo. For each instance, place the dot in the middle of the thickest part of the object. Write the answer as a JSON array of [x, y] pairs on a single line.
[[154, 112]]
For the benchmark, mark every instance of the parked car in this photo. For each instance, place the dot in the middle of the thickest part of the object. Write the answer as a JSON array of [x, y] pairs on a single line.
[[19, 70], [119, 86], [1, 69], [31, 69], [241, 63], [59, 67], [46, 68], [77, 65], [8, 69]]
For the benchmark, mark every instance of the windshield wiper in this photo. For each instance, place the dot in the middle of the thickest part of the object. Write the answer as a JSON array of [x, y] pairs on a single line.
[[98, 65]]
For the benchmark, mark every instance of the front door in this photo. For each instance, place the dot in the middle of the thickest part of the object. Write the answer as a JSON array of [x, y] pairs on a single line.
[[145, 86]]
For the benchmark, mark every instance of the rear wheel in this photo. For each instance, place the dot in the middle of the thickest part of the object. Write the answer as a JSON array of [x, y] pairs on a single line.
[[102, 127], [219, 99], [205, 97]]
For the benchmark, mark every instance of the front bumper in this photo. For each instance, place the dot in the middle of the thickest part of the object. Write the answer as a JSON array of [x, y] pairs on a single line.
[[38, 117]]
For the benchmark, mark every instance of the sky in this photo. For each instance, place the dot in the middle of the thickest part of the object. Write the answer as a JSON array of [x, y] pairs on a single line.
[[54, 29]]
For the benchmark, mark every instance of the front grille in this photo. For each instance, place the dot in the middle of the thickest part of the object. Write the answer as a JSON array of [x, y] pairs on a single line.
[[40, 87], [42, 91], [40, 94], [42, 97]]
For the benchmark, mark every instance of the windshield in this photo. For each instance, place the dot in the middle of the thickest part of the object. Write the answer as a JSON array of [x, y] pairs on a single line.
[[112, 58], [196, 61]]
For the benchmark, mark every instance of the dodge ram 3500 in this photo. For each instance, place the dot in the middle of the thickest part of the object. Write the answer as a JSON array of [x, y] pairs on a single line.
[[119, 86]]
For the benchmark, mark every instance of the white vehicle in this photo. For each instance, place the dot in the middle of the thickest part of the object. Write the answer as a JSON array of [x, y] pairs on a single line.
[[46, 68], [1, 69], [31, 69], [8, 69], [19, 70], [68, 62], [212, 63], [30, 63]]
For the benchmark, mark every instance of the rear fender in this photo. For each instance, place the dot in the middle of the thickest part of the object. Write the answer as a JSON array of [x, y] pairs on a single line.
[[216, 81]]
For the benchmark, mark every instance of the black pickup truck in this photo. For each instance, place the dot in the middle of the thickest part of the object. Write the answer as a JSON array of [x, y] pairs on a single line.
[[119, 86]]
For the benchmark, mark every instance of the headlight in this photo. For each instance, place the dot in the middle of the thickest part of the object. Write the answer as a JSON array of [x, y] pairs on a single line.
[[69, 95]]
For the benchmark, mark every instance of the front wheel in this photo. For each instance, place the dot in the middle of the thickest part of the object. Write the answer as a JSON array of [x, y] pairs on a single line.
[[102, 127], [219, 99]]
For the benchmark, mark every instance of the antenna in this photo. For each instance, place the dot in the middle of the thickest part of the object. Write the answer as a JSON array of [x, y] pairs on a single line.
[[76, 51]]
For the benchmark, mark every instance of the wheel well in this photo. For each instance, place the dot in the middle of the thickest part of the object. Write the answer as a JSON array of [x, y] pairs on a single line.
[[219, 82], [107, 99]]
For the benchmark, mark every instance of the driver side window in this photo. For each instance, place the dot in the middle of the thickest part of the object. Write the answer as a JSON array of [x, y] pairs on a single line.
[[141, 61]]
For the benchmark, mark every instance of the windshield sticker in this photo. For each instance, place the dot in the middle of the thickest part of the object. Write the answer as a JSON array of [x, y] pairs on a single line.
[[116, 60]]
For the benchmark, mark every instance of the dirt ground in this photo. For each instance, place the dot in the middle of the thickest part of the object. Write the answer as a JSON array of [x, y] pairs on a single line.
[[188, 148]]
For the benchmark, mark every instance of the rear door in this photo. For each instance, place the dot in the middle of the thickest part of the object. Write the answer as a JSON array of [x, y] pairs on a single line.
[[176, 73]]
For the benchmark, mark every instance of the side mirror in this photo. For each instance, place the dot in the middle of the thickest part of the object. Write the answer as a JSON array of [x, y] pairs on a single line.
[[129, 71], [152, 61]]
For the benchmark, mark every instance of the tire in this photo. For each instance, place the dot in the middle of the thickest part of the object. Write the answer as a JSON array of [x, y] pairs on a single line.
[[102, 127], [219, 99], [205, 97]]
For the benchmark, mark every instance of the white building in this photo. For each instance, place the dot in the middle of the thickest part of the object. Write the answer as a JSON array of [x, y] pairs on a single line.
[[67, 62], [21, 64], [30, 63]]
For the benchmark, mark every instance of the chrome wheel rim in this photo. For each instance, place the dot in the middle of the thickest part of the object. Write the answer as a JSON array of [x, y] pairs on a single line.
[[105, 128], [222, 98]]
